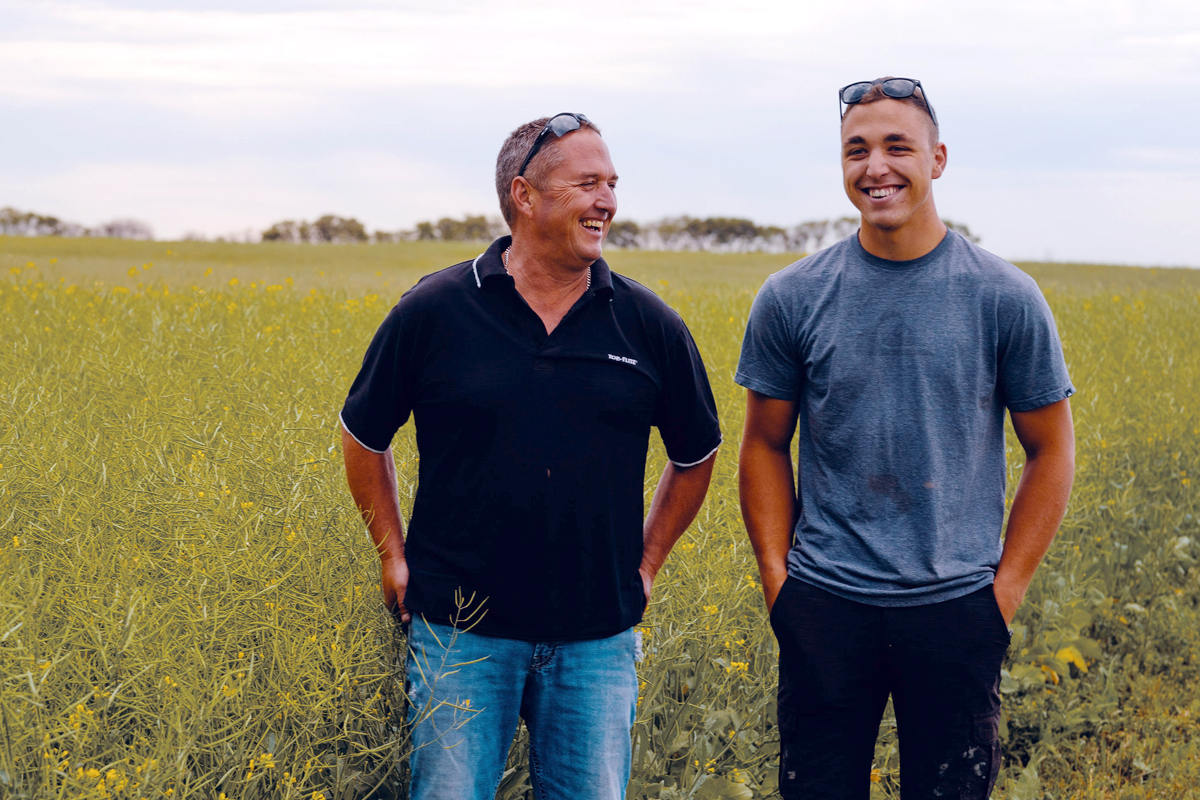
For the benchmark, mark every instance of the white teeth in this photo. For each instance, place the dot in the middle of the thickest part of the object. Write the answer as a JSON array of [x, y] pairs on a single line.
[[884, 192]]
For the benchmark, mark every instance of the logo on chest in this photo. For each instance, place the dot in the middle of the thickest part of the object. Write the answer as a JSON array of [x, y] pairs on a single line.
[[622, 359]]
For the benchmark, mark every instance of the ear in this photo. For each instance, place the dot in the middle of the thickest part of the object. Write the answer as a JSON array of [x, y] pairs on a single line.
[[522, 195], [939, 160]]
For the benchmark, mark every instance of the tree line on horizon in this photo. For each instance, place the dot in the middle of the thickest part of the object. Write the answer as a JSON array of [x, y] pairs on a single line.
[[29, 223], [709, 234]]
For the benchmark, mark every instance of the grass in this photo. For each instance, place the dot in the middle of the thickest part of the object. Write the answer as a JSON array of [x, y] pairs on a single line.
[[191, 608]]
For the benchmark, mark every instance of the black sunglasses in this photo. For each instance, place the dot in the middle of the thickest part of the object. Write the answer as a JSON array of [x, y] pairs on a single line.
[[560, 125], [899, 88]]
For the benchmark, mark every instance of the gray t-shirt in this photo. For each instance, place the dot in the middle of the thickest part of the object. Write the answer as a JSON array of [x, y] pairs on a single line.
[[901, 371]]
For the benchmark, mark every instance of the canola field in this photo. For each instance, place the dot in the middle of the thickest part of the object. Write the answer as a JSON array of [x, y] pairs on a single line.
[[190, 606]]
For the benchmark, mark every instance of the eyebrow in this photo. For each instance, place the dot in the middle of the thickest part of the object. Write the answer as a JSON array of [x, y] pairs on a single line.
[[891, 137], [597, 176]]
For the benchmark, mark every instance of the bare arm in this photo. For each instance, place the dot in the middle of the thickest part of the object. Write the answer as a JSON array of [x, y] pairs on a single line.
[[372, 480], [767, 486], [1048, 437], [677, 499]]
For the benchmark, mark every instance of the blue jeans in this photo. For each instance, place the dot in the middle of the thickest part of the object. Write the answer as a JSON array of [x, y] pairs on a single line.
[[578, 700]]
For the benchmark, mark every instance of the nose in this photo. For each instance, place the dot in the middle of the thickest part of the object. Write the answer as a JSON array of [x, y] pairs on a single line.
[[606, 200], [877, 164]]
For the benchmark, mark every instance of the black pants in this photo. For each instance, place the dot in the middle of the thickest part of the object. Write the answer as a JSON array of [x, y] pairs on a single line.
[[838, 662]]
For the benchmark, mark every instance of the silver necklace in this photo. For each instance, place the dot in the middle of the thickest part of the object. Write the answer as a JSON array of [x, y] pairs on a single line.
[[504, 258]]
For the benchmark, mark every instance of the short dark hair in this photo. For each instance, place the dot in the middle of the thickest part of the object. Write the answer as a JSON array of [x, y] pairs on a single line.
[[917, 98], [512, 153]]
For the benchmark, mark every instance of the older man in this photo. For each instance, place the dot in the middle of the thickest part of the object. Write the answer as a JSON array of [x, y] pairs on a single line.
[[534, 375], [898, 350]]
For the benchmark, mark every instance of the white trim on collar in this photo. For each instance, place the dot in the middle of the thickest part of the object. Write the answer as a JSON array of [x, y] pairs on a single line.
[[475, 269]]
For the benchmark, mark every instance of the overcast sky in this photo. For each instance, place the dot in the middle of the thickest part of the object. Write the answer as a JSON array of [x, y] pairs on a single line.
[[1073, 127]]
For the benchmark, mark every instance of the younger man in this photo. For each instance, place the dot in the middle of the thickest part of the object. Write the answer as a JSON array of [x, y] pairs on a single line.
[[898, 351]]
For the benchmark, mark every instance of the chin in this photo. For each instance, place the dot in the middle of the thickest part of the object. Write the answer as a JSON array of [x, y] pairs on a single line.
[[884, 222]]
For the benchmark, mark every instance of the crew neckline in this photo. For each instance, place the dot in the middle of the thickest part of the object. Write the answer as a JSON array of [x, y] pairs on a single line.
[[902, 266]]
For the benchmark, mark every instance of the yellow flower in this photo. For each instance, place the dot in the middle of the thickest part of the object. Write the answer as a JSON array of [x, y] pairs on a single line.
[[710, 610], [234, 281]]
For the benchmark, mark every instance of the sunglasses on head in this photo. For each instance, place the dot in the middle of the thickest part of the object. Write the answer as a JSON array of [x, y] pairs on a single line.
[[897, 88], [560, 125]]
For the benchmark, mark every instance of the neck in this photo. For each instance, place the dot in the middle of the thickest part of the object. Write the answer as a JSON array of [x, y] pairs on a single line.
[[912, 240], [543, 276], [546, 285]]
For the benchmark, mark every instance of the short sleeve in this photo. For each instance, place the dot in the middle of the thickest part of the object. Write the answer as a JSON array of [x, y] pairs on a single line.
[[686, 413], [1031, 369], [379, 401], [769, 364]]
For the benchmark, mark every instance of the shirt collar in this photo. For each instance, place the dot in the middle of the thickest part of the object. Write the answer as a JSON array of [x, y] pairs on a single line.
[[490, 264]]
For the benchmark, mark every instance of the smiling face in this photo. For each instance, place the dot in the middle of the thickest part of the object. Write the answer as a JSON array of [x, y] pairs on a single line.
[[889, 163], [570, 216]]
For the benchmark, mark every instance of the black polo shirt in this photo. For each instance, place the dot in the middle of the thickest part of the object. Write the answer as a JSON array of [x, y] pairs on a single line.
[[532, 447]]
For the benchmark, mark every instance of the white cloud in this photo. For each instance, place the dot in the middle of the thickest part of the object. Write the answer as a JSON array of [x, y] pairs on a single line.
[[1186, 158], [1112, 216], [390, 111], [176, 56]]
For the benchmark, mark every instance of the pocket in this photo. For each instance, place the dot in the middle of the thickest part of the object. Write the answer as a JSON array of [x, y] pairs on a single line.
[[985, 733], [787, 582], [985, 728], [997, 614]]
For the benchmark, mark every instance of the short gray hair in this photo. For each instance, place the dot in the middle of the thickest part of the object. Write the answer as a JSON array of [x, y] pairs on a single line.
[[512, 153]]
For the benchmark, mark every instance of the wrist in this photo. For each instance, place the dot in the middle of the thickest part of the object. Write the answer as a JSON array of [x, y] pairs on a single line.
[[391, 557], [774, 571]]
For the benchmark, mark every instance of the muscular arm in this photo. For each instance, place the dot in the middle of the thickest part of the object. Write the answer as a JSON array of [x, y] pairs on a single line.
[[767, 486], [372, 480], [677, 498], [1048, 438]]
